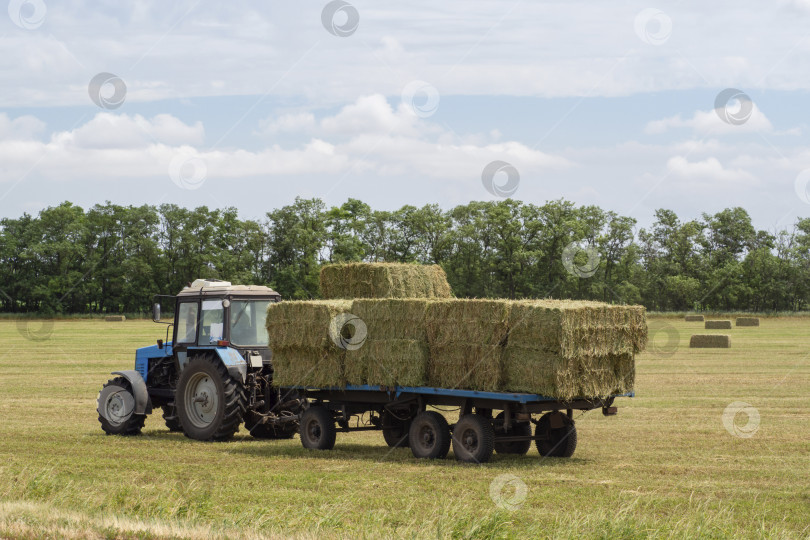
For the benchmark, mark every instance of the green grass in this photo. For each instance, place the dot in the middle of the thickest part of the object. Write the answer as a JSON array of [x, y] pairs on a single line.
[[665, 467]]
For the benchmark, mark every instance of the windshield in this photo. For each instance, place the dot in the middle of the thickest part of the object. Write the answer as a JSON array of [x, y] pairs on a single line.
[[248, 322]]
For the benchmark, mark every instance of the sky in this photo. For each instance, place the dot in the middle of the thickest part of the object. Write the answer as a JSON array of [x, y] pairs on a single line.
[[631, 106]]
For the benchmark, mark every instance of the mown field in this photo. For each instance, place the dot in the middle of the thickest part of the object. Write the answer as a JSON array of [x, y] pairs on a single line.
[[665, 467]]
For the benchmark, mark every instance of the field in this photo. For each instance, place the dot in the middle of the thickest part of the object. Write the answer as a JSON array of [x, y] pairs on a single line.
[[670, 465]]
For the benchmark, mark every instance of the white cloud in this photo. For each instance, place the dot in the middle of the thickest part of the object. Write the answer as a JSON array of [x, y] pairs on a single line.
[[20, 128], [710, 123], [709, 171], [119, 131]]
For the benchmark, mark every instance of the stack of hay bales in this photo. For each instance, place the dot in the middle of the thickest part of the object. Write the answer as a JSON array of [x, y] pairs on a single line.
[[466, 339], [384, 280], [300, 336], [566, 349], [418, 336], [395, 352]]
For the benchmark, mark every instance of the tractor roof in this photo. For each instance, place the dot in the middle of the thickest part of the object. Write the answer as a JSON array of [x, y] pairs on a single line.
[[216, 287]]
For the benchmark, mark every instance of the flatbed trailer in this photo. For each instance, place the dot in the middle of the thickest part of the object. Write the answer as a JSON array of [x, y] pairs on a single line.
[[407, 417]]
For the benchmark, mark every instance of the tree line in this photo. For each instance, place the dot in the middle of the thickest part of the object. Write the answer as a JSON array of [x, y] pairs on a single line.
[[113, 259]]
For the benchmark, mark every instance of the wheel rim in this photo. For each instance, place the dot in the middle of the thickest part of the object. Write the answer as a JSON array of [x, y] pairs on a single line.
[[427, 437], [202, 400], [314, 431], [469, 440], [118, 405]]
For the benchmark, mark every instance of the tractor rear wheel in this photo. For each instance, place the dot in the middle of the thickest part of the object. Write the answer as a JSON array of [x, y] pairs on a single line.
[[171, 419], [210, 403], [116, 409]]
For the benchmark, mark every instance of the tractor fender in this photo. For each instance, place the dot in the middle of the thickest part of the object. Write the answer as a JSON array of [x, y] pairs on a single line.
[[234, 362], [143, 405]]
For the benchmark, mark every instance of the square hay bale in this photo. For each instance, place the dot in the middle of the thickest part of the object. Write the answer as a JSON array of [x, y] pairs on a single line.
[[710, 341], [467, 366], [383, 280], [390, 362], [747, 321], [301, 336], [393, 318], [115, 318], [694, 318], [717, 325], [567, 349]]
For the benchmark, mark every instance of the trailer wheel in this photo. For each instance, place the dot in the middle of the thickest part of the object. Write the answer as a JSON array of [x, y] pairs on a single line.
[[116, 409], [395, 430], [429, 436], [210, 403], [318, 429], [558, 442], [171, 419], [473, 439], [523, 429]]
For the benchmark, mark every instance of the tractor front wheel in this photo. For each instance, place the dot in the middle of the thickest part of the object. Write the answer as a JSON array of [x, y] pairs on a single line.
[[116, 409], [210, 403]]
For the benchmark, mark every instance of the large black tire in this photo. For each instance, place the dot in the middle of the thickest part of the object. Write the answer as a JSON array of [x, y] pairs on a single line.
[[116, 408], [395, 430], [517, 429], [429, 436], [318, 429], [560, 442], [171, 419], [473, 439], [210, 403]]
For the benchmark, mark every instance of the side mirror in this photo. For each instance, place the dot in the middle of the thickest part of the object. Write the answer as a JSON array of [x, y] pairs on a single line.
[[156, 312]]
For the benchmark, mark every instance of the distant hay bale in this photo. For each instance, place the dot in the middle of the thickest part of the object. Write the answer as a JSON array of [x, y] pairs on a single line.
[[694, 318], [384, 280], [717, 325], [300, 336], [466, 340], [710, 341], [747, 321], [115, 318]]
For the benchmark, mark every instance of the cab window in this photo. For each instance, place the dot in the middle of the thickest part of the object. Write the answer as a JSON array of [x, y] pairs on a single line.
[[187, 322], [211, 322]]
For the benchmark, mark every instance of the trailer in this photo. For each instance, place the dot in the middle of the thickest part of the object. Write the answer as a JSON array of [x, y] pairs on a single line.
[[412, 417]]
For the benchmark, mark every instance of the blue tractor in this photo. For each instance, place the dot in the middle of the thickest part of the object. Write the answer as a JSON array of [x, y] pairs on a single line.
[[214, 374]]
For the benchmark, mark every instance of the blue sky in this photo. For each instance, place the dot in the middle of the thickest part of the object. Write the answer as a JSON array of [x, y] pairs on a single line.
[[251, 104]]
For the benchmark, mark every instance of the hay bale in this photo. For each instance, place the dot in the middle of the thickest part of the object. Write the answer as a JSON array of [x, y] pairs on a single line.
[[115, 318], [747, 321], [710, 341], [396, 349], [466, 339], [694, 318], [383, 280], [566, 349], [717, 325], [300, 336]]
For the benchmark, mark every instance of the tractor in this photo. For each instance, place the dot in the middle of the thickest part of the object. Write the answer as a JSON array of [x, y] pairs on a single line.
[[214, 374]]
